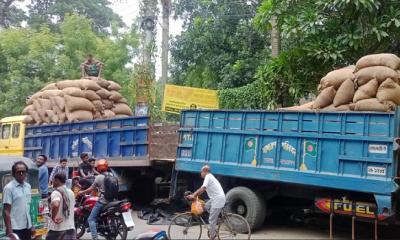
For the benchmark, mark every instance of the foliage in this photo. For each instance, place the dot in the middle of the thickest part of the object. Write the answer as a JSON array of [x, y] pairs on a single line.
[[10, 14], [53, 12], [219, 48], [318, 36], [29, 59]]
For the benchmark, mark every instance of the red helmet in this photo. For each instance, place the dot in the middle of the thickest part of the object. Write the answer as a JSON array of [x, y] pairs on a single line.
[[102, 165]]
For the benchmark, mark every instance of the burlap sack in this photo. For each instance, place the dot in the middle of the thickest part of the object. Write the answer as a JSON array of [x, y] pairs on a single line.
[[28, 119], [67, 83], [121, 108], [123, 100], [47, 94], [325, 98], [108, 104], [380, 73], [115, 96], [114, 86], [36, 95], [62, 117], [86, 84], [345, 107], [91, 95], [121, 116], [366, 91], [36, 117], [102, 83], [51, 86], [79, 115], [336, 78], [373, 104], [42, 104], [98, 105], [382, 59], [329, 108], [345, 93], [52, 116], [389, 91], [73, 91], [77, 103], [28, 109], [97, 115], [56, 109], [103, 93], [59, 101], [108, 114]]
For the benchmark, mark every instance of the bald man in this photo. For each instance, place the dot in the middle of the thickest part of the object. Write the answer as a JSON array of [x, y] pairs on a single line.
[[215, 193]]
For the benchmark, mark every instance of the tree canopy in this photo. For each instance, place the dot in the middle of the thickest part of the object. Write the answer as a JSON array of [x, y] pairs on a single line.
[[216, 51], [219, 48], [31, 58]]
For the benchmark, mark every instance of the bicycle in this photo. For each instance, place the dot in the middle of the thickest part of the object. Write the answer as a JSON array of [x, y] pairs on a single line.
[[189, 226]]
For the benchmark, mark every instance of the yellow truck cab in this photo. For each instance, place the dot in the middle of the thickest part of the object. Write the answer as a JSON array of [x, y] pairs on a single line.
[[12, 132]]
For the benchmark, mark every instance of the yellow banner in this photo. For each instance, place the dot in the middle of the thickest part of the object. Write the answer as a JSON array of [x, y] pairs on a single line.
[[177, 98]]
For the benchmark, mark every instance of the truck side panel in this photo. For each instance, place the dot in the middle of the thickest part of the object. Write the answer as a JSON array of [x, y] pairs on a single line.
[[349, 151], [122, 140]]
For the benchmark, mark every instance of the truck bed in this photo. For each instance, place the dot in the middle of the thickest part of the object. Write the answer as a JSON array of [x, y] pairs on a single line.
[[123, 141], [353, 151]]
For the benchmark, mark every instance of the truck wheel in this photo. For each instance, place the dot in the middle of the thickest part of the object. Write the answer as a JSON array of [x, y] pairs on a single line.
[[247, 203]]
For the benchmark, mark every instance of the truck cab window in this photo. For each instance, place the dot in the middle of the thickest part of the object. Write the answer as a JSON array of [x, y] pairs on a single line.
[[15, 131], [5, 131]]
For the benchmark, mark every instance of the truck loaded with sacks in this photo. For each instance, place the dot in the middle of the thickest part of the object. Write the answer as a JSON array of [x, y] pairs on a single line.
[[338, 154], [89, 115]]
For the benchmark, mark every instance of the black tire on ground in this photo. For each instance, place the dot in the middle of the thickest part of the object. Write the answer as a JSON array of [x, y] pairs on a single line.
[[247, 203]]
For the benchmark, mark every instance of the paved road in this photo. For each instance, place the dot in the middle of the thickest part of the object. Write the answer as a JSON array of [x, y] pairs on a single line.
[[278, 228]]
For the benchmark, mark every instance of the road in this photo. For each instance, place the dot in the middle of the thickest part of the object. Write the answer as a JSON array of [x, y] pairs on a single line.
[[278, 228]]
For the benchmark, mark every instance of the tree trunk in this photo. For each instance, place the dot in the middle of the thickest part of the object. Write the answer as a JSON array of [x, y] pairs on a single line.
[[275, 38]]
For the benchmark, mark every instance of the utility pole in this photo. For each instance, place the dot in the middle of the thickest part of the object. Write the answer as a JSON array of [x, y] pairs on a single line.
[[166, 10], [145, 80]]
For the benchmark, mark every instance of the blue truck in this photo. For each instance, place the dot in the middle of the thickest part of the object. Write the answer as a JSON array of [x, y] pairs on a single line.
[[337, 162], [137, 151]]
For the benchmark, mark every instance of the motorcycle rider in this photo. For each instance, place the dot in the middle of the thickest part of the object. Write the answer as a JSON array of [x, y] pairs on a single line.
[[102, 167]]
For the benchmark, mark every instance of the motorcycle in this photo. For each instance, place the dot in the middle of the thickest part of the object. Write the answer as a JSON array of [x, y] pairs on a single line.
[[114, 221]]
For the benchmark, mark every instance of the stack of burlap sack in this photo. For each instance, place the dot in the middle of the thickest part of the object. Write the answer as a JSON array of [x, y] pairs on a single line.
[[371, 85], [76, 100]]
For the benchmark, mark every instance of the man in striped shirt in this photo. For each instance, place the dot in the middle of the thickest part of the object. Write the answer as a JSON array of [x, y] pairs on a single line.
[[60, 168]]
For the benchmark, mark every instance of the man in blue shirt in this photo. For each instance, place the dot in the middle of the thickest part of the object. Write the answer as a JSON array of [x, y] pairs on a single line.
[[17, 199], [43, 175]]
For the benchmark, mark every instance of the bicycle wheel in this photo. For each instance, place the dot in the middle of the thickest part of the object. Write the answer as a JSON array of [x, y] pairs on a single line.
[[185, 226], [233, 226]]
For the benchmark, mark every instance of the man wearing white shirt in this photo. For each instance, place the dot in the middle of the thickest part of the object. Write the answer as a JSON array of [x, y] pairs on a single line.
[[215, 193]]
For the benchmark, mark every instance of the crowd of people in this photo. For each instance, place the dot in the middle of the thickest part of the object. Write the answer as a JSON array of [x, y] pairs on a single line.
[[17, 197]]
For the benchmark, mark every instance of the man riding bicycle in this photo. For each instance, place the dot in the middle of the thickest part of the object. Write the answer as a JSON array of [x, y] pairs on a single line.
[[215, 193]]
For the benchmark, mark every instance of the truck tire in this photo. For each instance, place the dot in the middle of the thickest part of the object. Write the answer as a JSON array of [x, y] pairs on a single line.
[[247, 203]]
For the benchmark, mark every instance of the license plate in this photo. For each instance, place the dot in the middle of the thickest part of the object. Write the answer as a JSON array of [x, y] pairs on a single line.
[[127, 216]]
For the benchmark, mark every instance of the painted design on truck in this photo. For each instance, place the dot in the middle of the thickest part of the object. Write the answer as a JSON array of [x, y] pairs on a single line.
[[289, 148], [269, 147], [348, 207], [251, 144]]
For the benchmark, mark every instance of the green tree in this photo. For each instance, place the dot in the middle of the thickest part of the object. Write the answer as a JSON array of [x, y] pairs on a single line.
[[219, 47], [30, 59], [318, 36], [53, 12], [10, 14]]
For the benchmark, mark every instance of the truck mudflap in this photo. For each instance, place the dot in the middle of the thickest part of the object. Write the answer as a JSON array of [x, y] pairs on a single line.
[[365, 210]]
